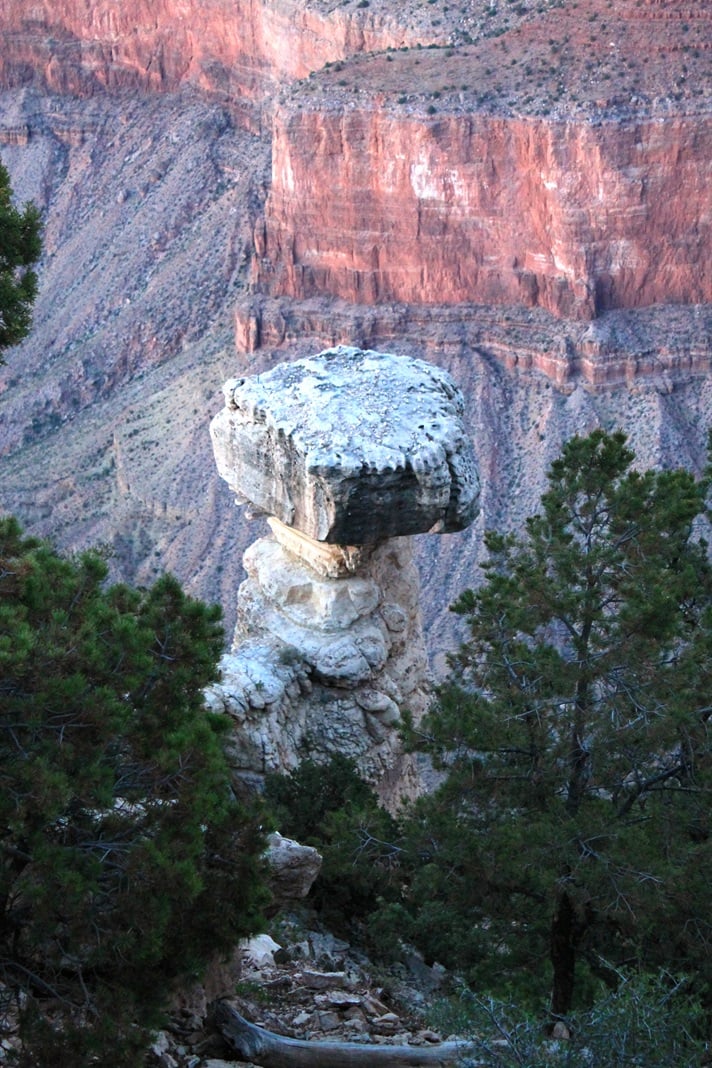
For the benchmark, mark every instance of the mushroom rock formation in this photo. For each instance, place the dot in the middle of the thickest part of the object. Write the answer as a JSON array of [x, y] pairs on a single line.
[[348, 453]]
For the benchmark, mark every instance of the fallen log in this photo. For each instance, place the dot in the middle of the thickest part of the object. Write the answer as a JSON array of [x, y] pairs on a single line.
[[271, 1050]]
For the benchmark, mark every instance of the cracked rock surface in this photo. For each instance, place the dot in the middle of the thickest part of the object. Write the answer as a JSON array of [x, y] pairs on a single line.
[[350, 446]]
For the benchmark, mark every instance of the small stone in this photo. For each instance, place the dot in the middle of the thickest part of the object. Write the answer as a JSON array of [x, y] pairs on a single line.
[[386, 1024], [160, 1044], [337, 999], [356, 1025], [293, 868], [321, 980], [429, 1036], [373, 1006], [327, 1021], [327, 949], [260, 950], [354, 1013]]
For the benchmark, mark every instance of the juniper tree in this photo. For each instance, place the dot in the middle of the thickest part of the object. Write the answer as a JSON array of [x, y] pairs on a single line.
[[20, 248], [571, 833], [125, 860]]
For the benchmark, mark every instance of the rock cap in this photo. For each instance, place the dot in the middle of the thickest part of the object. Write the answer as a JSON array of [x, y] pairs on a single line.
[[350, 446]]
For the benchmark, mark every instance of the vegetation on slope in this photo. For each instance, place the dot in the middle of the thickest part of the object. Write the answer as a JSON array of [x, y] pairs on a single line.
[[568, 845], [125, 860], [20, 248]]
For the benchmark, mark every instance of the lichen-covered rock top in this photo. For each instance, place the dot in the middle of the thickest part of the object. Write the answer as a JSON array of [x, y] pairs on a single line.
[[350, 446]]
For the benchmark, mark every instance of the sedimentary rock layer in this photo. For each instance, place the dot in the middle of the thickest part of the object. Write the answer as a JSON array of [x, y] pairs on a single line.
[[567, 163], [671, 342], [374, 206], [236, 47]]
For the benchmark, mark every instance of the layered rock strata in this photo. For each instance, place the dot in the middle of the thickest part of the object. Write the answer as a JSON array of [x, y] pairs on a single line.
[[671, 343], [572, 216], [562, 162], [354, 450], [241, 49]]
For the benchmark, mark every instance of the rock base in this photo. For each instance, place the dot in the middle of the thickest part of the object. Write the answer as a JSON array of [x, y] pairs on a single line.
[[324, 665]]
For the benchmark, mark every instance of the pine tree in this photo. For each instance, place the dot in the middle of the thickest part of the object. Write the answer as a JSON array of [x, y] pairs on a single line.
[[125, 860], [571, 833], [20, 248]]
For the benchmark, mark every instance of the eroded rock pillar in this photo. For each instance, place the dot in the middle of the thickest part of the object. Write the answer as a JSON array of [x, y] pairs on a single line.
[[348, 453]]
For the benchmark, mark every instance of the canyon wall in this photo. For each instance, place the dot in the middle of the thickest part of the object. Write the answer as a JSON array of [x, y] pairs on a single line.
[[665, 344], [556, 157], [577, 218], [104, 409], [237, 48], [568, 173], [561, 162]]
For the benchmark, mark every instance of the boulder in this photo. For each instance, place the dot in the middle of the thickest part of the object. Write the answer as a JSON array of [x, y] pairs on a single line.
[[350, 447], [293, 867]]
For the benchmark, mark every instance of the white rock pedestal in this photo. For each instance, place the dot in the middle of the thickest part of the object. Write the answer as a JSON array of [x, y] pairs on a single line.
[[350, 453], [326, 665]]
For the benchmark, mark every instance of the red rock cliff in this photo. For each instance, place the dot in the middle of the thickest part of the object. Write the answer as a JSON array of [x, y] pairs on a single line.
[[569, 215], [233, 46], [553, 155]]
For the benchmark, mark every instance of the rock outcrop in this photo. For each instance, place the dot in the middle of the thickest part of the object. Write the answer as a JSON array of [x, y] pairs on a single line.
[[322, 666], [350, 447], [350, 452]]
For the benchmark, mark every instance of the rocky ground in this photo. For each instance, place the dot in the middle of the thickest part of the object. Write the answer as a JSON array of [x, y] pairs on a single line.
[[537, 58], [305, 983]]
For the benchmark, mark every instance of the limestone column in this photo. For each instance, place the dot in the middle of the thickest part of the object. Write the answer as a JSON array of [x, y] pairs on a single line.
[[348, 454]]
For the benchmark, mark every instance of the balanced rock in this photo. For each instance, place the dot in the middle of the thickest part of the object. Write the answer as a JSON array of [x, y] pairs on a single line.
[[350, 447], [348, 452]]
